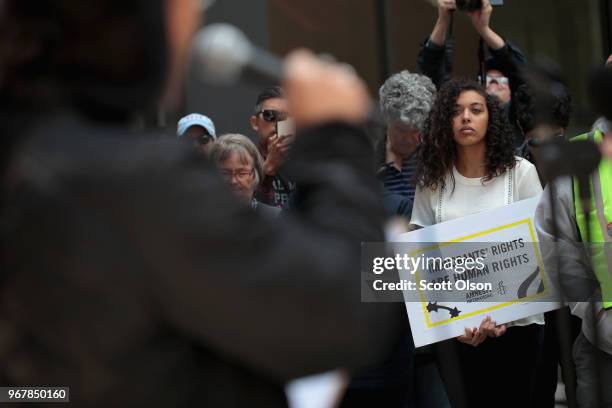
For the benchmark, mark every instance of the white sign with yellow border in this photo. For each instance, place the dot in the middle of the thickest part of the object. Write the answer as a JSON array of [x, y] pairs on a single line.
[[510, 286]]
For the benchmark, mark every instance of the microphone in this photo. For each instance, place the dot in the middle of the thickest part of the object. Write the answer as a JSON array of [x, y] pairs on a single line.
[[225, 55]]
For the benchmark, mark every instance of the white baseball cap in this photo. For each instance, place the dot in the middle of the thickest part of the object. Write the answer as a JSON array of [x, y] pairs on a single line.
[[195, 119]]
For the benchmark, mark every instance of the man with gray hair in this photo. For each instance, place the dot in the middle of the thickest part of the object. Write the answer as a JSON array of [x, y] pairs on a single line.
[[405, 101]]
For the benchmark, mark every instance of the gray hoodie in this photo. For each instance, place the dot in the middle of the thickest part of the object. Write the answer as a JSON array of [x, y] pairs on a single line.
[[571, 255]]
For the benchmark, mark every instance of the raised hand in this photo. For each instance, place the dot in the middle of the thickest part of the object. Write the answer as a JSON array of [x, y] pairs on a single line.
[[445, 7], [320, 92], [488, 328], [481, 19], [277, 151]]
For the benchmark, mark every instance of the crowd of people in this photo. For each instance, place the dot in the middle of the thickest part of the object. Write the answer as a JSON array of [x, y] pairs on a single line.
[[451, 147], [233, 260]]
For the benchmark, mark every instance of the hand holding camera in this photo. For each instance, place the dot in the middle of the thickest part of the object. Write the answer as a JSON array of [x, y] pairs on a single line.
[[279, 145], [480, 16], [445, 8], [479, 13], [322, 92], [469, 5], [474, 5], [285, 130], [277, 152]]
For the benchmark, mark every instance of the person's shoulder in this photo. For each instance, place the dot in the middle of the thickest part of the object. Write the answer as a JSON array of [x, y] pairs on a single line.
[[68, 152], [523, 166], [526, 171], [527, 179], [426, 191]]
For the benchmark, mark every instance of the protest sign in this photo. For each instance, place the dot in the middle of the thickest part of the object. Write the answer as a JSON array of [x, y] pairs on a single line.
[[505, 279]]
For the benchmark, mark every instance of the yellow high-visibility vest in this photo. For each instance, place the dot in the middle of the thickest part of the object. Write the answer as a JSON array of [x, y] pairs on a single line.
[[599, 220]]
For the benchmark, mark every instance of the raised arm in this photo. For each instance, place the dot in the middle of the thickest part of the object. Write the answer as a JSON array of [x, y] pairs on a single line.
[[435, 55], [282, 296], [508, 58]]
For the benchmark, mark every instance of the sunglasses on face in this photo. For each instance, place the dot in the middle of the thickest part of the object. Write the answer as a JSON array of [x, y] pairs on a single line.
[[270, 115], [199, 140], [502, 80], [202, 140]]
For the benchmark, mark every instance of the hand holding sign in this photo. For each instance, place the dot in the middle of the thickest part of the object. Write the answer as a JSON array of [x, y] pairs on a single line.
[[518, 286], [472, 337], [488, 328]]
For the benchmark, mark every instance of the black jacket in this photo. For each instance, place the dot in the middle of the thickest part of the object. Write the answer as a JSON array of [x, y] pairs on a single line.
[[435, 62], [132, 275]]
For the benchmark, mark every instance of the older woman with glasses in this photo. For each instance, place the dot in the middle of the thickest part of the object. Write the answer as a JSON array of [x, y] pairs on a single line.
[[240, 163]]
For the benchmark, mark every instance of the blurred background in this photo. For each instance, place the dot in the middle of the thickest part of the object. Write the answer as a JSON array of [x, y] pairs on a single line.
[[380, 37]]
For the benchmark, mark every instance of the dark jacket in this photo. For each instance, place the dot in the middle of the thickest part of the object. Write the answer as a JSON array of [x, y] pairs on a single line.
[[436, 62], [132, 275]]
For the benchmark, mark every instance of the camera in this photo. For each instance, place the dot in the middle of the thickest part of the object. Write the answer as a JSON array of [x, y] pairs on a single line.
[[473, 5], [469, 5]]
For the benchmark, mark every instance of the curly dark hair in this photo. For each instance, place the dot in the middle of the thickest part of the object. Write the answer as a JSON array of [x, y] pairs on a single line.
[[437, 152], [554, 107]]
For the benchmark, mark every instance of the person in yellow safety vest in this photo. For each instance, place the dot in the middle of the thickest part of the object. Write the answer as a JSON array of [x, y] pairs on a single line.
[[593, 261]]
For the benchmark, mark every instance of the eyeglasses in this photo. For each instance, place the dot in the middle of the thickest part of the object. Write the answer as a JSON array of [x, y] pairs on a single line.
[[502, 80], [197, 141], [241, 175], [271, 115]]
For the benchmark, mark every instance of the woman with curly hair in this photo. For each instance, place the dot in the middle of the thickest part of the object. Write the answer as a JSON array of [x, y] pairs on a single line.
[[466, 165]]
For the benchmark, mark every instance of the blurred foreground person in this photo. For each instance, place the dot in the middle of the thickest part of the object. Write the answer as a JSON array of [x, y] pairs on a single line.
[[130, 272], [583, 256], [580, 227], [542, 121], [544, 117], [406, 378]]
